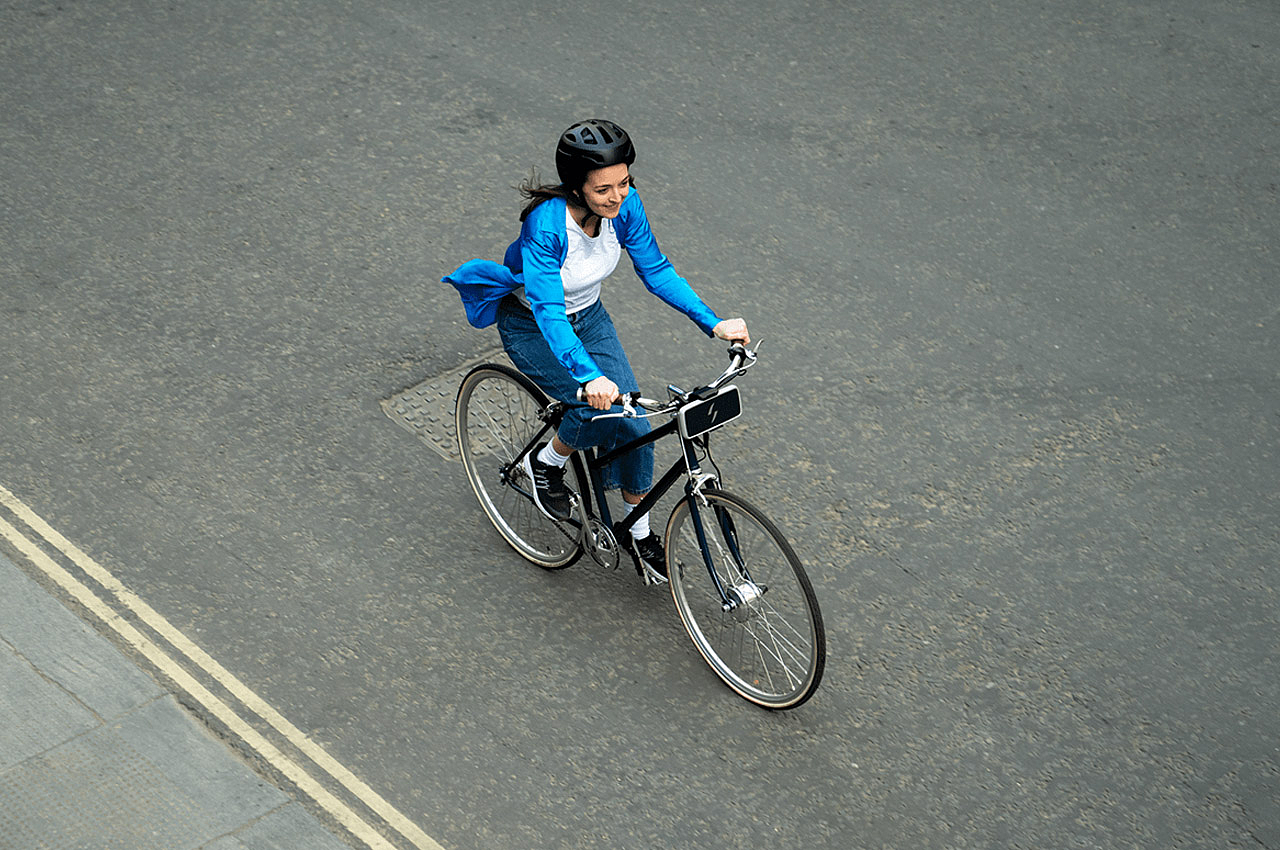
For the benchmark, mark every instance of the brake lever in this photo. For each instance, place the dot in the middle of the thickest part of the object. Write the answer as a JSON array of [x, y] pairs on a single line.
[[625, 399]]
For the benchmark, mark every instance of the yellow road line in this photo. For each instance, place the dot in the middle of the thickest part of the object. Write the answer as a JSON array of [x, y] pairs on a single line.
[[167, 665]]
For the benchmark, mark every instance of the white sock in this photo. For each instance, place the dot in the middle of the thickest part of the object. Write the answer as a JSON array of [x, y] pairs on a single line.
[[551, 457], [641, 529]]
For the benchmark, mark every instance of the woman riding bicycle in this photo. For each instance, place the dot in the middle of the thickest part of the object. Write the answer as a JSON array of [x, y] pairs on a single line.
[[545, 299]]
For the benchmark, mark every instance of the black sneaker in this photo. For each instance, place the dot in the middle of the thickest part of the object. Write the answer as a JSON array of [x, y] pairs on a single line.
[[549, 492], [651, 552]]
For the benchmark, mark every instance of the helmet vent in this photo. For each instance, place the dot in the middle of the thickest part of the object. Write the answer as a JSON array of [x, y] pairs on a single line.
[[591, 144]]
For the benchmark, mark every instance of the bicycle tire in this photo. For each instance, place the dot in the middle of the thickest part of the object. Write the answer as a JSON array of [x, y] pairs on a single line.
[[496, 414], [771, 649]]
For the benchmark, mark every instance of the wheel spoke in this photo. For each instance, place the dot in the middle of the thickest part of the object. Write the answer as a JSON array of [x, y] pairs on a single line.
[[496, 415], [769, 646]]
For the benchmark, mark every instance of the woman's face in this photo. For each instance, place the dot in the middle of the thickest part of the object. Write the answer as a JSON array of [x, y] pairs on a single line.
[[606, 188]]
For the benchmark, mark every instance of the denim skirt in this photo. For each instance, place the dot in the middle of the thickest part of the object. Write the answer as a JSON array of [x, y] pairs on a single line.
[[528, 350]]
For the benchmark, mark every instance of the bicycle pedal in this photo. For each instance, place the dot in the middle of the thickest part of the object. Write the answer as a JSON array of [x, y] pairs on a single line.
[[652, 577]]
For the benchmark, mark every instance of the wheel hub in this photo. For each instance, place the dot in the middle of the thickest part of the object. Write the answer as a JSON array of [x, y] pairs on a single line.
[[743, 599]]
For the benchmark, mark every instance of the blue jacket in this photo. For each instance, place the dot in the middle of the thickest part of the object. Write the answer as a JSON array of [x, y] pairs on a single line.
[[534, 261]]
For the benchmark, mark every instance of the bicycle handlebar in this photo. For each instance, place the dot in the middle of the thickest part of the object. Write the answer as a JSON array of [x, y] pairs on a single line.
[[741, 359]]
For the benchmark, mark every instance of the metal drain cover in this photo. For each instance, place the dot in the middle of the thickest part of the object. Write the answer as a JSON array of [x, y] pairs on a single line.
[[426, 410]]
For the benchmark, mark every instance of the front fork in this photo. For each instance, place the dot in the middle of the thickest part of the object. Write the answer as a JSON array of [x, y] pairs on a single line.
[[730, 598]]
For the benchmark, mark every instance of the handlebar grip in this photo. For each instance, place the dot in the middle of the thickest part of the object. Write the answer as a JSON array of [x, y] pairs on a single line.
[[581, 395]]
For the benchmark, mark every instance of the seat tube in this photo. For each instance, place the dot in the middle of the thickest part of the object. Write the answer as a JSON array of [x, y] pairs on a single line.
[[597, 486]]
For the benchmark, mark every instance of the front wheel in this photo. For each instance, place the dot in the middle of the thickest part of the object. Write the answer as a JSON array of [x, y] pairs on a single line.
[[756, 622]]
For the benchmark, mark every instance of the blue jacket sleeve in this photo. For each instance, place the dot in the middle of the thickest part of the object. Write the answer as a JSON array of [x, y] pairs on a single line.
[[543, 247], [654, 269]]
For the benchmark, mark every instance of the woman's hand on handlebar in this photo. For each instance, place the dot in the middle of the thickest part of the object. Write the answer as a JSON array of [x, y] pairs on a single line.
[[733, 330], [600, 393]]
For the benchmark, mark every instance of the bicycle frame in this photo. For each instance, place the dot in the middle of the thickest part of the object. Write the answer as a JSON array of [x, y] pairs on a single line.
[[687, 465], [756, 622]]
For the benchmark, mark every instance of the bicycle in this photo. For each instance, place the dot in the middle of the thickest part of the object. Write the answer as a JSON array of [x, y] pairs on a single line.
[[739, 587]]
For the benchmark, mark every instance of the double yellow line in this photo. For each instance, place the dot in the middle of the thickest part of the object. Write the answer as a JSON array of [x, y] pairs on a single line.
[[169, 666]]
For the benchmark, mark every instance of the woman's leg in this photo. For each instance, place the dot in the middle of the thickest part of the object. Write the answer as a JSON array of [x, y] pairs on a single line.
[[528, 350], [633, 473]]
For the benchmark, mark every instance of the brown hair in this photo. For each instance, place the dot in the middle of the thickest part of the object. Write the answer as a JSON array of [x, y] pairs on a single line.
[[536, 192]]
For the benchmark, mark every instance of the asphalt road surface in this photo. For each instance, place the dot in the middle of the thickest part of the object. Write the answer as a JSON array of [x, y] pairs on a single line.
[[1014, 268]]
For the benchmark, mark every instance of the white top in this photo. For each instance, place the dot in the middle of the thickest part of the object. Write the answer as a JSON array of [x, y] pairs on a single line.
[[588, 261]]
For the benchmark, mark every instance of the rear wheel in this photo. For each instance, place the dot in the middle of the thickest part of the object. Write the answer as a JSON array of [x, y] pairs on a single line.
[[766, 641], [496, 416]]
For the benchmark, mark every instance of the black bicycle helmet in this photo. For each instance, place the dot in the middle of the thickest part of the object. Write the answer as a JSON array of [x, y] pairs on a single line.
[[588, 145]]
